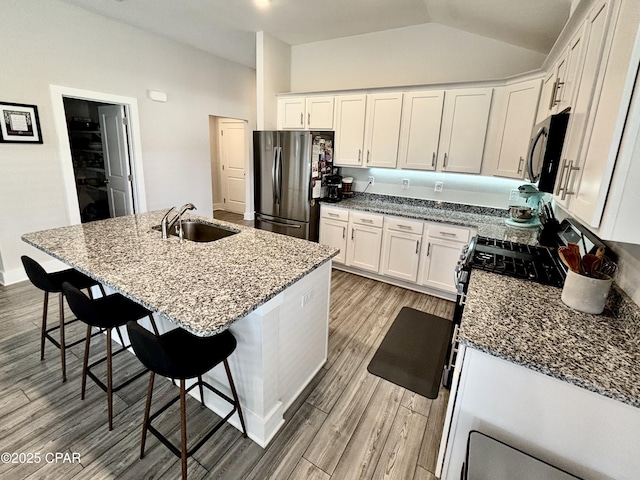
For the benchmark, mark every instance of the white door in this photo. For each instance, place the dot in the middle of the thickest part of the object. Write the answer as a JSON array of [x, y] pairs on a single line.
[[439, 261], [400, 255], [320, 113], [382, 131], [349, 138], [364, 250], [334, 234], [116, 160], [232, 159]]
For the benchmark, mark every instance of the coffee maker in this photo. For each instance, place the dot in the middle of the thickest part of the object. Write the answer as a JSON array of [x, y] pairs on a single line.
[[334, 188]]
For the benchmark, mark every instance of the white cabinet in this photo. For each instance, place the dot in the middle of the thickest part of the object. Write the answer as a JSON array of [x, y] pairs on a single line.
[[582, 114], [440, 253], [420, 130], [518, 114], [305, 113], [368, 130], [464, 129], [401, 248], [333, 230], [364, 241], [349, 136]]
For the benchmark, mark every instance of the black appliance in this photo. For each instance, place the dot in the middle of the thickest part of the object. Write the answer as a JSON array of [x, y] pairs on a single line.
[[502, 257], [545, 150], [334, 188]]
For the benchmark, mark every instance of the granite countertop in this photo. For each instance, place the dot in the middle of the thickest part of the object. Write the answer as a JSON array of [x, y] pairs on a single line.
[[203, 287], [600, 353], [489, 222]]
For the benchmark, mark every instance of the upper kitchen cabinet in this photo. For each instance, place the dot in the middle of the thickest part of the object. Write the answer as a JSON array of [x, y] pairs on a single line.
[[559, 84], [520, 102], [464, 129], [368, 130], [420, 131], [577, 191], [305, 113]]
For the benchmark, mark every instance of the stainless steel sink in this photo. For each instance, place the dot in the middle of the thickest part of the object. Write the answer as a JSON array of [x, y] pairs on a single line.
[[199, 231]]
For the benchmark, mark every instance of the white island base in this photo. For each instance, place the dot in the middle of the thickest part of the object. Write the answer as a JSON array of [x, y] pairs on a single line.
[[281, 346]]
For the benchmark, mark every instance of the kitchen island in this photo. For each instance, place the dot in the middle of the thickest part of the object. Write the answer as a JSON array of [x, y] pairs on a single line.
[[559, 384], [269, 290]]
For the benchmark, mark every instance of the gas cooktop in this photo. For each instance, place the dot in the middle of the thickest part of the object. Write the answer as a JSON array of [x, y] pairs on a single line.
[[517, 260]]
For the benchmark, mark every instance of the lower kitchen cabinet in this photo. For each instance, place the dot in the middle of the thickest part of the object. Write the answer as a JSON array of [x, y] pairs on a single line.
[[440, 255], [401, 249], [334, 223], [364, 241]]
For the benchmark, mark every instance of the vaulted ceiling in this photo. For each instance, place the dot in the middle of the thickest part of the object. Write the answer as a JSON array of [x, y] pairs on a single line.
[[227, 28]]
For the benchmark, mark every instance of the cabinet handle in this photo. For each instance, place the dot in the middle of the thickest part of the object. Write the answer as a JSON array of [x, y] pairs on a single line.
[[332, 214], [446, 160], [301, 118], [366, 220], [309, 119], [359, 155], [449, 234], [344, 232], [405, 227], [552, 100], [556, 101], [368, 155], [520, 165], [352, 232], [433, 160], [563, 170], [429, 249], [565, 187], [417, 246]]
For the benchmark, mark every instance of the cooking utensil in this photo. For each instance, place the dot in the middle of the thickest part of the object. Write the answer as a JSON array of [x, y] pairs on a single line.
[[600, 253], [570, 259], [591, 265], [608, 267]]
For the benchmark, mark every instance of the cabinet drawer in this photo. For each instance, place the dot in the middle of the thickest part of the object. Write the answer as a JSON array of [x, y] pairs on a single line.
[[363, 218], [404, 225], [335, 213], [446, 232]]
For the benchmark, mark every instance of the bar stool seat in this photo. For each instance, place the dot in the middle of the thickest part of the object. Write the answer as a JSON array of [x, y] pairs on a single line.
[[180, 355], [106, 313], [52, 283]]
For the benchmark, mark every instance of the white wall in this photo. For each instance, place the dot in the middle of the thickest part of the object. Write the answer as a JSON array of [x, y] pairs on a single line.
[[46, 43], [273, 67], [417, 55]]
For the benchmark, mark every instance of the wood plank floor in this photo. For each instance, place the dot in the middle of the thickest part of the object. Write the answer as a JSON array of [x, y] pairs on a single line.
[[347, 424]]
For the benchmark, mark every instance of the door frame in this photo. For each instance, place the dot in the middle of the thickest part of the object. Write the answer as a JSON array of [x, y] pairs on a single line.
[[58, 93]]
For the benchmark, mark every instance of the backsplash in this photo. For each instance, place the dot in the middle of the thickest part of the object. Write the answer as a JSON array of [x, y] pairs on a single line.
[[475, 190], [628, 276]]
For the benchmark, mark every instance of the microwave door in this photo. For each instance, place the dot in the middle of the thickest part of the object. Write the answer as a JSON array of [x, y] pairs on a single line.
[[536, 154]]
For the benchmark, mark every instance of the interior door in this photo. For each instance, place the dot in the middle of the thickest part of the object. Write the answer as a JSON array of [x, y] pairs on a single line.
[[116, 159], [232, 158]]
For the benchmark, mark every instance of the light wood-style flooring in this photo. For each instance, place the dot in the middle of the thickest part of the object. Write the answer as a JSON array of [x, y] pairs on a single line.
[[347, 425], [232, 217]]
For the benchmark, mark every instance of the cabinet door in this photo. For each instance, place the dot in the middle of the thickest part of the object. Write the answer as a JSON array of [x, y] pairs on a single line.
[[574, 60], [334, 234], [319, 113], [364, 246], [420, 129], [350, 116], [464, 129], [571, 166], [548, 90], [382, 132], [291, 113], [400, 255], [519, 112], [438, 263]]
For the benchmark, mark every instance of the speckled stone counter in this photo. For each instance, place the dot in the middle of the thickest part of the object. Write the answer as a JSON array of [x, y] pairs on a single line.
[[203, 287], [489, 222], [527, 324]]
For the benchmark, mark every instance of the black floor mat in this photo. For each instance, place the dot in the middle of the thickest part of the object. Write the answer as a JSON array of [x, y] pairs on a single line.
[[412, 353]]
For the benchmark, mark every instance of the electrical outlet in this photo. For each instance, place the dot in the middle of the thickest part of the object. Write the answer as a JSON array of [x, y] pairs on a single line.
[[405, 184], [306, 297], [514, 195], [371, 181], [439, 187]]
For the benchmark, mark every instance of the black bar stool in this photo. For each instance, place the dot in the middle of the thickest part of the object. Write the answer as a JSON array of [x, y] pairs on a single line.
[[106, 313], [179, 354], [52, 283]]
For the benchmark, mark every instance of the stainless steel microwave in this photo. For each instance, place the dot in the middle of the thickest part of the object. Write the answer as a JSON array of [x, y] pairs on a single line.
[[545, 149]]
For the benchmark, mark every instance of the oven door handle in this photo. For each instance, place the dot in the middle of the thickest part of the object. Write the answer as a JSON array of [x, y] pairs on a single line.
[[542, 131]]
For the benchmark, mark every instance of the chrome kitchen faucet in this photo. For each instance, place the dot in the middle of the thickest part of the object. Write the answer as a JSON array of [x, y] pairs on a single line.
[[167, 224]]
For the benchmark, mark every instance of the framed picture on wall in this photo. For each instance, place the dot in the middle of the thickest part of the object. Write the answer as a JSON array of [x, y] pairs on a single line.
[[20, 123]]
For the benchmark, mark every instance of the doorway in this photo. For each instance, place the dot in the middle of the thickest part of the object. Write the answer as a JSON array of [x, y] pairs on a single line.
[[228, 160], [98, 138]]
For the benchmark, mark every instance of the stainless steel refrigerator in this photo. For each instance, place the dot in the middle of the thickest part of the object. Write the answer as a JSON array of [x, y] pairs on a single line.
[[289, 167]]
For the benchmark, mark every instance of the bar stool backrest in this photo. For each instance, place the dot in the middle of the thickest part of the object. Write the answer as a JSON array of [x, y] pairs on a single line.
[[38, 275], [84, 308], [152, 352]]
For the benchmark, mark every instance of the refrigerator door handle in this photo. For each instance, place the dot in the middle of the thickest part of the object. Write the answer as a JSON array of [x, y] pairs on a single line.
[[288, 225], [279, 175], [274, 170]]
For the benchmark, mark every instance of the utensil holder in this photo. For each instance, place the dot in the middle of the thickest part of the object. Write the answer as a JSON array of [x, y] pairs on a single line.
[[586, 294]]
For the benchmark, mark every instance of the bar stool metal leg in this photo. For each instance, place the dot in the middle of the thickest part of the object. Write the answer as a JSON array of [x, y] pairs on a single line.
[[85, 362], [235, 397], [183, 427], [147, 408], [62, 343], [109, 380], [44, 324]]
